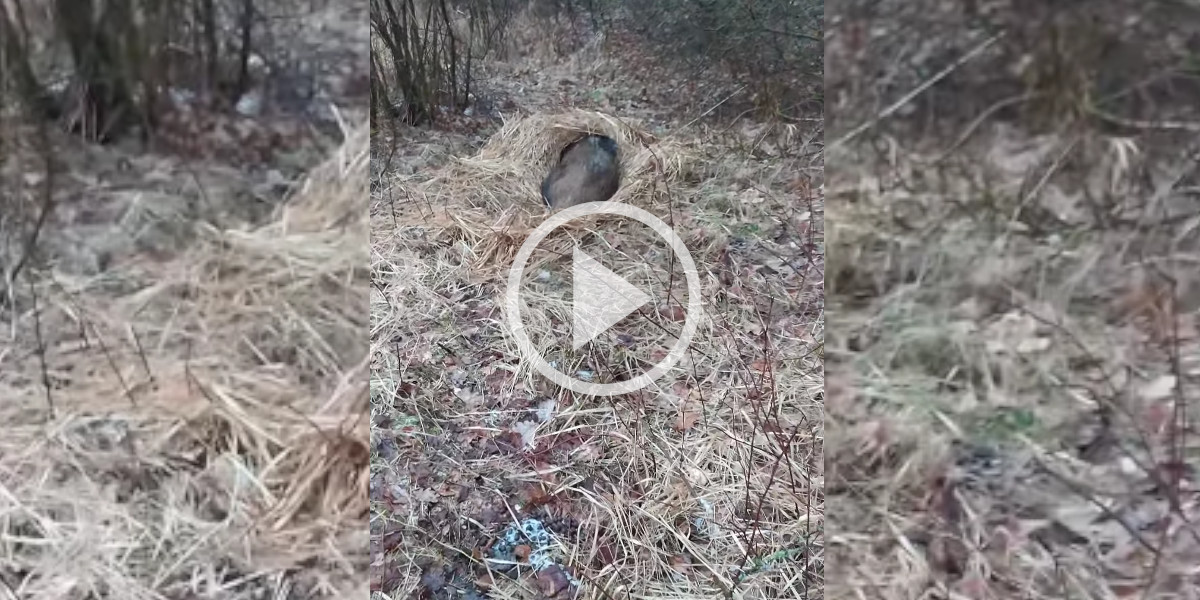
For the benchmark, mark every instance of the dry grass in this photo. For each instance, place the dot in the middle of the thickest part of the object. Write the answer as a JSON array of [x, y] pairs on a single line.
[[1015, 362], [1014, 358], [208, 435], [706, 484]]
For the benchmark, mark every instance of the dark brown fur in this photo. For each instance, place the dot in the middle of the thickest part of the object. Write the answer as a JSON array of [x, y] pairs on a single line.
[[588, 170]]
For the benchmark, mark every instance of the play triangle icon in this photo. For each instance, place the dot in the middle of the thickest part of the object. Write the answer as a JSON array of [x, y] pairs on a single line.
[[601, 299]]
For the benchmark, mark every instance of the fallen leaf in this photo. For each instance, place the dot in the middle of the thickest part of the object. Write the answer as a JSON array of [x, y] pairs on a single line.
[[588, 453], [1128, 590], [673, 312], [682, 563], [545, 472], [874, 438], [681, 389], [760, 366], [554, 583], [606, 555], [522, 552], [686, 419], [535, 496], [1174, 472], [1152, 305], [1188, 330], [497, 381], [1011, 536]]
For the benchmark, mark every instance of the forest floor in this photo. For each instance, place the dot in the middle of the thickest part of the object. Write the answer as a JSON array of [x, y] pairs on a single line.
[[182, 366], [489, 481], [1014, 354]]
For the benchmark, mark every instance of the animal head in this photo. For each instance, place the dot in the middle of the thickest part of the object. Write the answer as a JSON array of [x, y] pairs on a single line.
[[588, 170]]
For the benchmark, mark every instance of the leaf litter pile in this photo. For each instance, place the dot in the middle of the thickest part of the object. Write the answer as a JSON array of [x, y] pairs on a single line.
[[489, 481]]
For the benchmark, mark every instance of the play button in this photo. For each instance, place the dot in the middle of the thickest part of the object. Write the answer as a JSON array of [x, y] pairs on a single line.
[[601, 299]]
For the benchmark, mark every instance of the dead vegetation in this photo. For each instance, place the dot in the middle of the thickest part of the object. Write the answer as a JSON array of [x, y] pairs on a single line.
[[195, 425], [490, 481], [1014, 366], [680, 488], [182, 354]]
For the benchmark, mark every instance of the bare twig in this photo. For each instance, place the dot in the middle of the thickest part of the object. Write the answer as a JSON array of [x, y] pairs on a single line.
[[928, 83]]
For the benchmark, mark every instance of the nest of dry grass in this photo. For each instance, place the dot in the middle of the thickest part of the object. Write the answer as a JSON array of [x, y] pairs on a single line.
[[492, 200], [708, 481], [203, 432]]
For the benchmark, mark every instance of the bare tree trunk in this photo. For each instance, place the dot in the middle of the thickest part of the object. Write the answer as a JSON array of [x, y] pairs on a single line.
[[247, 29], [15, 61], [106, 100], [206, 18]]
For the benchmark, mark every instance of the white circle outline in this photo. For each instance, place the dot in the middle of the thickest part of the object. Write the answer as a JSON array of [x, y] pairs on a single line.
[[513, 308]]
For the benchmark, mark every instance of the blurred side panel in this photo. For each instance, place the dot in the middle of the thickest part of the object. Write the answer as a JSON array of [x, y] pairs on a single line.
[[1013, 299], [183, 292]]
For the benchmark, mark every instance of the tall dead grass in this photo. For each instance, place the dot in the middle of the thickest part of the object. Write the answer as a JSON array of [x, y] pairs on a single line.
[[203, 432], [1011, 377]]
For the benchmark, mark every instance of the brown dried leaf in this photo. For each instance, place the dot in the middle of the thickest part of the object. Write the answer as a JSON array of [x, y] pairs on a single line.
[[761, 366], [606, 554], [874, 438], [535, 496], [681, 389], [689, 406], [1151, 304], [948, 554], [686, 419], [673, 312], [682, 563], [554, 583], [498, 381]]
